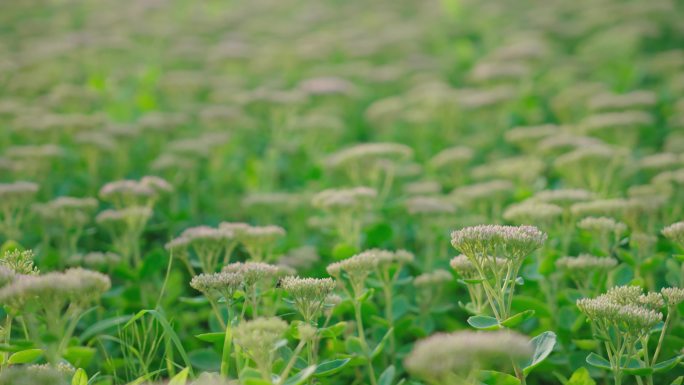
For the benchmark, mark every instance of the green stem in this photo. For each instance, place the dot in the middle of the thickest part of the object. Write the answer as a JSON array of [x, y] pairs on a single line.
[[362, 337], [290, 364], [227, 343]]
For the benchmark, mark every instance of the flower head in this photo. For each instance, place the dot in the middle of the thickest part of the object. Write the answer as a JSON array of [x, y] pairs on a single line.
[[19, 262], [443, 355], [675, 232], [673, 295], [32, 376], [308, 294], [482, 240], [585, 264], [431, 279], [217, 285]]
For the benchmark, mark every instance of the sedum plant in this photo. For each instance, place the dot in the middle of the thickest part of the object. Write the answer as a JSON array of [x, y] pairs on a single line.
[[623, 319], [15, 199], [587, 272], [458, 357], [209, 245], [485, 246], [54, 300], [65, 219], [346, 209]]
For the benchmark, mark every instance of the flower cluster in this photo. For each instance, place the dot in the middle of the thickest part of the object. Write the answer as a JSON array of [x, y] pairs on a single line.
[[457, 357]]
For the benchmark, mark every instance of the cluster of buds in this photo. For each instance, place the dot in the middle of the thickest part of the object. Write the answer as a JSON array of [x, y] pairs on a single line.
[[675, 233], [308, 295], [624, 309], [15, 198], [544, 215], [457, 358], [484, 245], [208, 244], [256, 277], [30, 375], [624, 317], [65, 219], [19, 262], [586, 271], [56, 300], [487, 198], [258, 339], [135, 193], [607, 231], [365, 164], [96, 260], [357, 268], [125, 227], [346, 209], [260, 241]]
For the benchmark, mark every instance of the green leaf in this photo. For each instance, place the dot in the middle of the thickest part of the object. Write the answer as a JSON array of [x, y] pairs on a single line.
[[484, 322], [491, 377], [80, 377], [302, 376], [366, 294], [333, 330], [205, 359], [79, 356], [144, 378], [586, 344], [387, 377], [354, 346], [25, 356], [400, 306], [521, 302], [256, 381], [181, 378], [329, 368], [597, 361], [581, 376], [636, 368], [211, 337], [678, 381], [342, 251], [666, 366], [381, 345], [543, 346], [517, 319]]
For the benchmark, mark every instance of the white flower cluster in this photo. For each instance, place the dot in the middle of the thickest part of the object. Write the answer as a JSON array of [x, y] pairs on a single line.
[[441, 356], [585, 264], [484, 240], [675, 232], [625, 309]]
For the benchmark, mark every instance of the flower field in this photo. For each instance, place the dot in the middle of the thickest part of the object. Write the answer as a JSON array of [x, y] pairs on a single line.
[[387, 192]]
